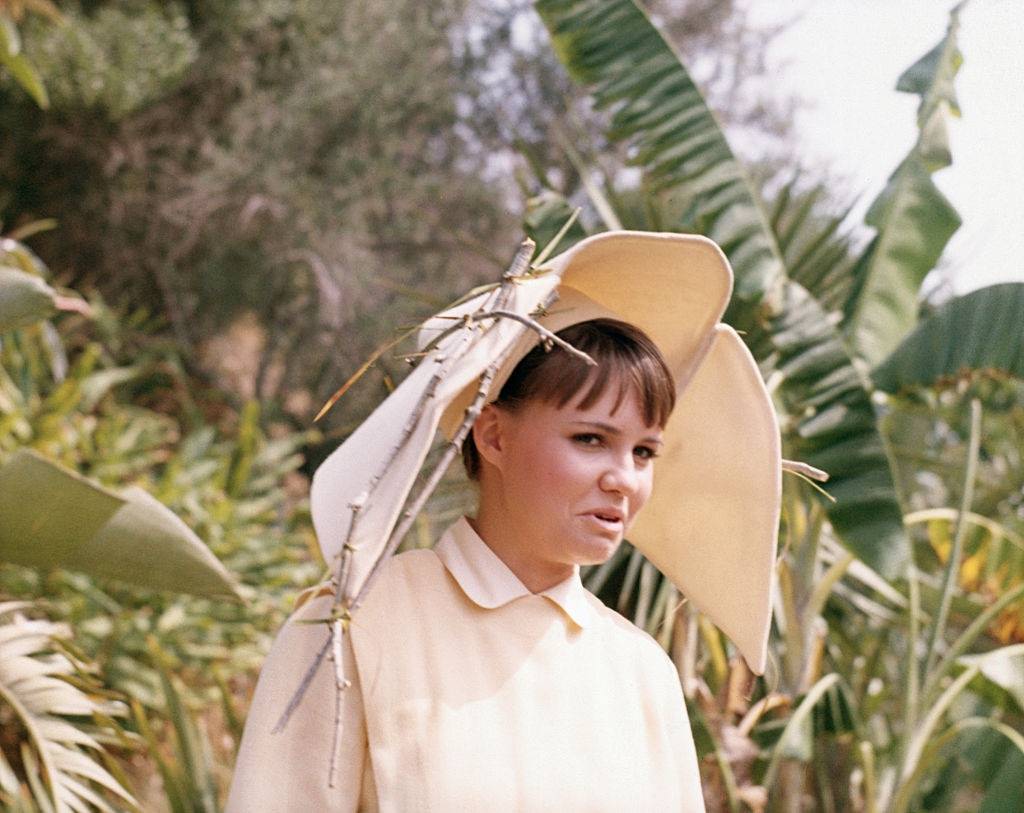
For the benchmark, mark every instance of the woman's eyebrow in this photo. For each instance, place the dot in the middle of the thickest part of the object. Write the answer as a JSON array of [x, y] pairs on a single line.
[[614, 430]]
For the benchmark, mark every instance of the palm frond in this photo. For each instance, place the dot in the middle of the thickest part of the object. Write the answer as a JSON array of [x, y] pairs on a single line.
[[61, 770]]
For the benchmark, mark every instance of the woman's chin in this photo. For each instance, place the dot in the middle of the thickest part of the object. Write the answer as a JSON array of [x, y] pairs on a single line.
[[595, 551]]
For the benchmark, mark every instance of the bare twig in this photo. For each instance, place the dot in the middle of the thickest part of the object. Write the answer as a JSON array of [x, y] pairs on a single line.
[[338, 627], [453, 447], [546, 335], [339, 614], [520, 263], [805, 469]]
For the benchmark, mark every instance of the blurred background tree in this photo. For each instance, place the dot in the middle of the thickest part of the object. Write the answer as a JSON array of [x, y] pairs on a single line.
[[296, 169]]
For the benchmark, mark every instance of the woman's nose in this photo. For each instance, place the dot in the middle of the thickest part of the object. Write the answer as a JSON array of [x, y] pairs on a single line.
[[620, 478]]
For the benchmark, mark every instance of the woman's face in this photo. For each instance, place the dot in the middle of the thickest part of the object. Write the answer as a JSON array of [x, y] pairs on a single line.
[[571, 480]]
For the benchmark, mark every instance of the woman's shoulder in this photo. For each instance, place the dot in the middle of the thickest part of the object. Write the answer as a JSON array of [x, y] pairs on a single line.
[[627, 637]]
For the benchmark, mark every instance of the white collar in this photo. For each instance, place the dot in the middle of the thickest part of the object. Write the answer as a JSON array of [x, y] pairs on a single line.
[[488, 582]]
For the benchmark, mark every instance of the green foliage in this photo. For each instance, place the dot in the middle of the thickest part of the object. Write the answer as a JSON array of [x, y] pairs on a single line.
[[852, 709], [188, 774], [831, 424], [612, 48], [994, 345], [24, 299], [165, 112], [55, 767], [913, 219], [12, 57], [55, 518], [227, 489], [116, 59]]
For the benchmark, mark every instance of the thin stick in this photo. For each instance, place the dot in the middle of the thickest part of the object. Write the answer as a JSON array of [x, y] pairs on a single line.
[[806, 469], [332, 643], [340, 684], [545, 334], [521, 262]]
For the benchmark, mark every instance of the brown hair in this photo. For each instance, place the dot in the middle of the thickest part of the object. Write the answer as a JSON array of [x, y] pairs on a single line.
[[624, 354]]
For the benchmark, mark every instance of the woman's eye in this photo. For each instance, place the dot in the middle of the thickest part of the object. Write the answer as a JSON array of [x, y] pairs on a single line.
[[587, 439], [645, 452]]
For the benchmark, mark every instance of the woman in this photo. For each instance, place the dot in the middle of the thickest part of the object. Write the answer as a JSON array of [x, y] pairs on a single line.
[[482, 674]]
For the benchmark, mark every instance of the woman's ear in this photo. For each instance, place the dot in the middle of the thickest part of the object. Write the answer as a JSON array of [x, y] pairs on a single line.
[[487, 434]]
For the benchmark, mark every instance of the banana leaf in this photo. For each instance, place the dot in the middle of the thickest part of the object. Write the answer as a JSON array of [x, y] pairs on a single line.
[[1004, 667], [817, 248], [53, 517], [835, 429], [912, 218], [612, 47], [44, 714], [983, 330]]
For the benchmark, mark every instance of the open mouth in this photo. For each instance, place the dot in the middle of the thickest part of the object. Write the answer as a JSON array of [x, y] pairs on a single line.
[[609, 519]]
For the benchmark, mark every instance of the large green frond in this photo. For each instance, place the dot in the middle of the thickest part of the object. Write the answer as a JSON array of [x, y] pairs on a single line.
[[833, 427], [981, 331], [613, 48], [54, 517], [912, 218]]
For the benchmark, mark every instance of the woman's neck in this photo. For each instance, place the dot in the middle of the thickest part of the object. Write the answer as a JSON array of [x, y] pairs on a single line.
[[499, 532]]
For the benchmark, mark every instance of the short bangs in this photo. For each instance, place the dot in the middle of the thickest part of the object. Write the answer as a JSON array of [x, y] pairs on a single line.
[[625, 357]]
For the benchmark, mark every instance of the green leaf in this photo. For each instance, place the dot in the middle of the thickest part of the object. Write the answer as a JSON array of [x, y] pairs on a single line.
[[816, 249], [25, 75], [797, 735], [24, 299], [1004, 667], [913, 219], [546, 215], [147, 544], [31, 688], [1003, 791], [48, 511], [613, 48], [194, 774], [919, 761], [983, 330], [54, 517], [932, 78], [10, 40], [836, 430]]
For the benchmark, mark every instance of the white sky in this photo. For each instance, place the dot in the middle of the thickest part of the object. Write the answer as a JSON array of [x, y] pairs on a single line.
[[844, 56]]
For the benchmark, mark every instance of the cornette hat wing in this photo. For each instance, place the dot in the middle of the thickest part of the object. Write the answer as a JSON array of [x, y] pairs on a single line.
[[385, 453], [711, 522]]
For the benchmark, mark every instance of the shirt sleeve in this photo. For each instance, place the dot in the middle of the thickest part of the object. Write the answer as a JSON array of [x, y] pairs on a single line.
[[288, 771]]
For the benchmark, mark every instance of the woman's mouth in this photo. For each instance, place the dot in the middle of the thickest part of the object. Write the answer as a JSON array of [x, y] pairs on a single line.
[[610, 519]]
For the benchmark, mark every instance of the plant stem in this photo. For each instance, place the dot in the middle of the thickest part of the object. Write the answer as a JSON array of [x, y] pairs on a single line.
[[956, 551]]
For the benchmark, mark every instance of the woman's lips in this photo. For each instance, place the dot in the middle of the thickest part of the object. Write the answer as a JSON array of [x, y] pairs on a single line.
[[608, 521]]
